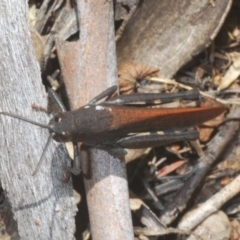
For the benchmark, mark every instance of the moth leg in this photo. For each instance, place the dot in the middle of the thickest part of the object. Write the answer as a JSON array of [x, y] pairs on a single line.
[[153, 98], [53, 95], [75, 169], [50, 137], [155, 139], [107, 93]]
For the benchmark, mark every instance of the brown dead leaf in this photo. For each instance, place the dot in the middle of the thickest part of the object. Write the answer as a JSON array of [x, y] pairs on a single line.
[[170, 168], [226, 180], [205, 134], [215, 121], [217, 78], [130, 72]]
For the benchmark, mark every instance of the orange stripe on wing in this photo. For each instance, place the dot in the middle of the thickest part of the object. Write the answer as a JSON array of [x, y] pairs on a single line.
[[152, 119]]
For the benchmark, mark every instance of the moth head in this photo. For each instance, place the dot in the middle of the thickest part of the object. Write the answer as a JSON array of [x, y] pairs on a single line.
[[62, 126]]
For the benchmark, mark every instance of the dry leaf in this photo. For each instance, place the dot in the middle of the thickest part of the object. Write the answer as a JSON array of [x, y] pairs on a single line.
[[129, 73], [170, 168], [231, 75], [133, 154], [205, 134], [135, 203], [226, 180], [215, 121]]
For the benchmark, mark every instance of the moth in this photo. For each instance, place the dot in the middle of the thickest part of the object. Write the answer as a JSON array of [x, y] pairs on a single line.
[[125, 122]]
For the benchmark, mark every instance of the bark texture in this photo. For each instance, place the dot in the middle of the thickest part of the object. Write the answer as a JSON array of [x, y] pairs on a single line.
[[42, 205], [89, 67], [167, 34]]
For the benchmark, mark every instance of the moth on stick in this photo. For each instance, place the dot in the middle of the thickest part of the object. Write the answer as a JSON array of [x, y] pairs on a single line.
[[124, 122]]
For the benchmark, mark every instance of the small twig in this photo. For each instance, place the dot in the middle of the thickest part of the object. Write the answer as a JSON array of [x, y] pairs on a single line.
[[89, 67], [211, 205], [181, 85]]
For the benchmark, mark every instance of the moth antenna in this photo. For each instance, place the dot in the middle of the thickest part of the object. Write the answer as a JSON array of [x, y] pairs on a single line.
[[43, 154], [26, 120]]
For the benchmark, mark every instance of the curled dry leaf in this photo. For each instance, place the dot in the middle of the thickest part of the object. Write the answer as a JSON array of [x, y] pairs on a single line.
[[205, 134], [231, 75], [130, 72]]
